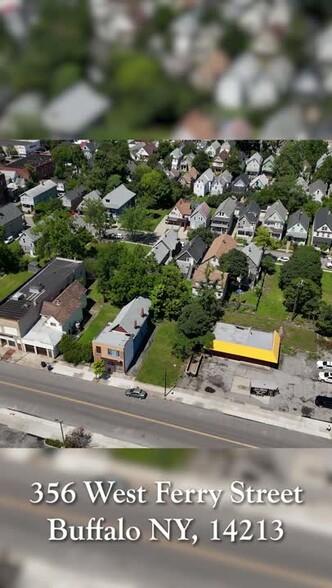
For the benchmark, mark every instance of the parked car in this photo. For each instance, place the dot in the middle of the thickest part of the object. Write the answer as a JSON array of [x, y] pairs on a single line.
[[282, 259], [324, 363], [136, 393], [325, 377], [323, 401], [9, 240]]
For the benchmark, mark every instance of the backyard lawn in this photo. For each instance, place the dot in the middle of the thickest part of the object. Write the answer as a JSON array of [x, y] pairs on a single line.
[[327, 287], [11, 282], [160, 357], [106, 315], [154, 218]]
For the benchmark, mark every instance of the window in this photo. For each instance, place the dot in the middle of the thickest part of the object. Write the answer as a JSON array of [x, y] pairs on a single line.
[[113, 352], [98, 349], [53, 324]]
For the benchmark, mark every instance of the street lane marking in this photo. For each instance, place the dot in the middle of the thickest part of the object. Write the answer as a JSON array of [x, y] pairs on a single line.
[[233, 561], [127, 414]]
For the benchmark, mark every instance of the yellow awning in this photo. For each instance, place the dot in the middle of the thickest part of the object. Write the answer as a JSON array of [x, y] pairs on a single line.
[[236, 349]]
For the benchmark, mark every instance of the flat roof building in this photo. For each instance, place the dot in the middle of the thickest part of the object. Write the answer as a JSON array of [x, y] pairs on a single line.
[[246, 344]]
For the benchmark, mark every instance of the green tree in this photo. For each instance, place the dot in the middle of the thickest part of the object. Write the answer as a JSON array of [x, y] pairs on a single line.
[[290, 162], [109, 258], [134, 219], [264, 239], [312, 150], [324, 172], [154, 190], [135, 276], [286, 190], [235, 162], [324, 320], [164, 149], [60, 237], [113, 182], [194, 321], [68, 158], [94, 213], [235, 40], [201, 161], [235, 263], [98, 368], [170, 293], [302, 296], [310, 208], [268, 264], [204, 232], [304, 263], [46, 208]]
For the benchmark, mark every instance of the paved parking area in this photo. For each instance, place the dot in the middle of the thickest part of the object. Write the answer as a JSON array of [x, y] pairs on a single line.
[[297, 380]]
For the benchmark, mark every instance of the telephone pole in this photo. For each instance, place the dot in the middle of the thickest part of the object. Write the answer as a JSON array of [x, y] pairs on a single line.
[[299, 288]]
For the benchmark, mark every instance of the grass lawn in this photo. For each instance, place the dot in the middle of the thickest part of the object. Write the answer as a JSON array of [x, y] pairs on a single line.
[[271, 303], [327, 287], [154, 218], [11, 282], [106, 314], [160, 358]]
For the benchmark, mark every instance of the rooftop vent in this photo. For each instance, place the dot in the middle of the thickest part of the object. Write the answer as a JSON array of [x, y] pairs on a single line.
[[36, 288], [18, 296]]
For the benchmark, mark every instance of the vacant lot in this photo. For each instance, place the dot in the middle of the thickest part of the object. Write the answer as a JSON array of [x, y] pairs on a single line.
[[327, 287], [160, 358], [11, 282], [105, 315]]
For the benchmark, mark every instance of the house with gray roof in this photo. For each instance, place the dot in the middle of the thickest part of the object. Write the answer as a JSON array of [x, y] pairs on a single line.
[[201, 216], [202, 185], [322, 234], [187, 162], [298, 227], [72, 198], [248, 221], [11, 220], [240, 184], [28, 240], [318, 190], [118, 200], [43, 191], [190, 256], [121, 341], [268, 165], [176, 156], [275, 219], [212, 149], [94, 195], [254, 256], [166, 247], [222, 220]]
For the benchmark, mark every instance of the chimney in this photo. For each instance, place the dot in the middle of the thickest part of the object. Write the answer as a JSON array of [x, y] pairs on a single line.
[[142, 312], [135, 324]]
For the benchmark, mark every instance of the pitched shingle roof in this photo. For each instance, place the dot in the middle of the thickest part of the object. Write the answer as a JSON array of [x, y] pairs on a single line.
[[298, 217], [118, 197], [219, 246], [196, 248], [251, 211], [277, 207], [203, 208], [64, 305], [184, 207], [227, 206], [8, 213], [323, 216], [253, 253], [318, 185]]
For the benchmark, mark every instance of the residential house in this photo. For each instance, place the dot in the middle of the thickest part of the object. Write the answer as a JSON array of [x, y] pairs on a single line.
[[268, 166], [118, 200], [121, 341], [254, 164], [222, 220], [188, 178], [201, 216], [180, 213], [202, 185], [322, 159], [275, 219], [208, 274], [40, 193], [63, 117], [322, 234], [248, 221], [88, 147], [254, 256], [227, 177], [166, 247], [94, 195], [318, 190], [11, 220], [218, 186], [176, 156], [21, 324], [259, 182], [241, 184], [145, 151], [187, 162], [28, 240], [298, 227], [73, 198], [219, 161], [212, 149], [190, 255]]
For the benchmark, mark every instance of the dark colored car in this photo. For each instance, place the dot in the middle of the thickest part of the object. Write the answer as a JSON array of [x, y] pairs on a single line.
[[136, 393], [324, 401]]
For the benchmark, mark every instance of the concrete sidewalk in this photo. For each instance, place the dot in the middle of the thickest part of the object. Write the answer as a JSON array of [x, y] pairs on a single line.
[[45, 429]]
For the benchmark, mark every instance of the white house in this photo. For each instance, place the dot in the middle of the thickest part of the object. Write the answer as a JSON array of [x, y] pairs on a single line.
[[318, 190], [298, 227], [176, 156], [201, 216], [213, 149], [202, 186], [259, 182], [254, 164]]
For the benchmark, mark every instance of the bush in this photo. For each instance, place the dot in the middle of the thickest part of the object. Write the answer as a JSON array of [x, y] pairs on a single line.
[[79, 438], [78, 353]]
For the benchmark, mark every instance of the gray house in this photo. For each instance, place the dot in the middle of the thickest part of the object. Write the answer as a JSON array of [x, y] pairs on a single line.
[[94, 195], [254, 256], [167, 246], [318, 190], [322, 234], [73, 198], [118, 200], [248, 221], [45, 190], [241, 184], [28, 242], [275, 219], [191, 255], [298, 227], [223, 217], [11, 220]]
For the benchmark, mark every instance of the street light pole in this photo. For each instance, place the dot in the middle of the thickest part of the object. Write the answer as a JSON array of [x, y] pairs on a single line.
[[61, 427]]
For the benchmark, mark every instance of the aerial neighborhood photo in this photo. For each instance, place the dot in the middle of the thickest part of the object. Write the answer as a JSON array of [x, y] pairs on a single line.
[[194, 275]]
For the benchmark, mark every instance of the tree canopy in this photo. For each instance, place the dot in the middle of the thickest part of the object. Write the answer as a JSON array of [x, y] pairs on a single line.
[[304, 263], [235, 263], [170, 293], [302, 295]]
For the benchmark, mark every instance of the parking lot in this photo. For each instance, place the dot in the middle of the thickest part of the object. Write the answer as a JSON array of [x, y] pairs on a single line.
[[296, 378]]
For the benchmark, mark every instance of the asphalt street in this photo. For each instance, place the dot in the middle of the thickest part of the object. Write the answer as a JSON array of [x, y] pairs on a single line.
[[302, 558], [154, 422]]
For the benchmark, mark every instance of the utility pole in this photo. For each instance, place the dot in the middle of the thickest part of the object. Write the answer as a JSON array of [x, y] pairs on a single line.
[[61, 427], [300, 286], [165, 385]]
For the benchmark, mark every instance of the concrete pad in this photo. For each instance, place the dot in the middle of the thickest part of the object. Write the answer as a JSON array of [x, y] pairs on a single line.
[[241, 386]]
